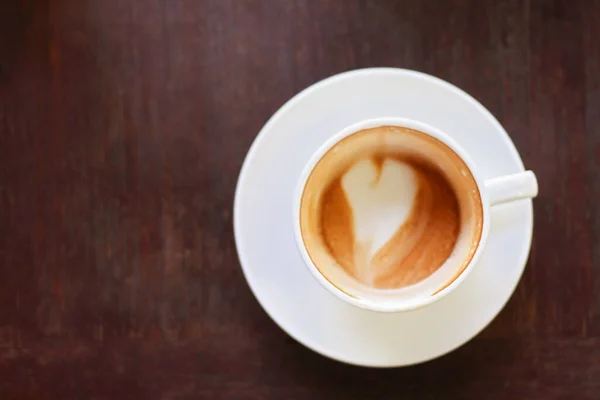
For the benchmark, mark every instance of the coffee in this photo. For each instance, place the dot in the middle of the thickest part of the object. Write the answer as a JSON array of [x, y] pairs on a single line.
[[390, 209]]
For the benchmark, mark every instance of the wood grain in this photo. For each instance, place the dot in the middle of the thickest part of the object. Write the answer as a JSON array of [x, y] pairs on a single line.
[[123, 125]]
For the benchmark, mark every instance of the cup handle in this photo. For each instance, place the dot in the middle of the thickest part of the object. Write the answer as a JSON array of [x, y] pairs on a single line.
[[522, 185]]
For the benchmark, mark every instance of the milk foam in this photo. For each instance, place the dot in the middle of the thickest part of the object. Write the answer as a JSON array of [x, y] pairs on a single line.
[[381, 199]]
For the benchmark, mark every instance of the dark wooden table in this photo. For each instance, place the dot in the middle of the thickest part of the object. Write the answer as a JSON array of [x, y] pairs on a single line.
[[123, 126]]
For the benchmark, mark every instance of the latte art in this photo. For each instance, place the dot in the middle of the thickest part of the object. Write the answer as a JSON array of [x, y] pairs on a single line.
[[390, 210], [388, 223]]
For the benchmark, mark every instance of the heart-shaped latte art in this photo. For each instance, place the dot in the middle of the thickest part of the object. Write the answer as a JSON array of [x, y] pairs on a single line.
[[381, 197]]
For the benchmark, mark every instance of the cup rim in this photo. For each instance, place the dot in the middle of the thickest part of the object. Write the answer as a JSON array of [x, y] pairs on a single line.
[[405, 305]]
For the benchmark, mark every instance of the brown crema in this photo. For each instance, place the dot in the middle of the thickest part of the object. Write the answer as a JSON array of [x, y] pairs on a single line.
[[446, 205], [418, 248]]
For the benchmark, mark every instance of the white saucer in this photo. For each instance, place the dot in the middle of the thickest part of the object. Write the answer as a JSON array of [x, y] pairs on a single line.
[[265, 240]]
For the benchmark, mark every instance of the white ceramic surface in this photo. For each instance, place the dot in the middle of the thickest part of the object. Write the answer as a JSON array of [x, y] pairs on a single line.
[[264, 229], [502, 189]]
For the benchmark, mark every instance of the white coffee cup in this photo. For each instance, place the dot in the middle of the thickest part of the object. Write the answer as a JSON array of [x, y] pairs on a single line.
[[494, 191]]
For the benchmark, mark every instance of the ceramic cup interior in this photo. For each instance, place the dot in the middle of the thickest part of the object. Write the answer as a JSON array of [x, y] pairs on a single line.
[[390, 215]]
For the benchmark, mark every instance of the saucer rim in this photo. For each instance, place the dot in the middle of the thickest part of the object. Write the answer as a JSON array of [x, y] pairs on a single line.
[[289, 104]]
